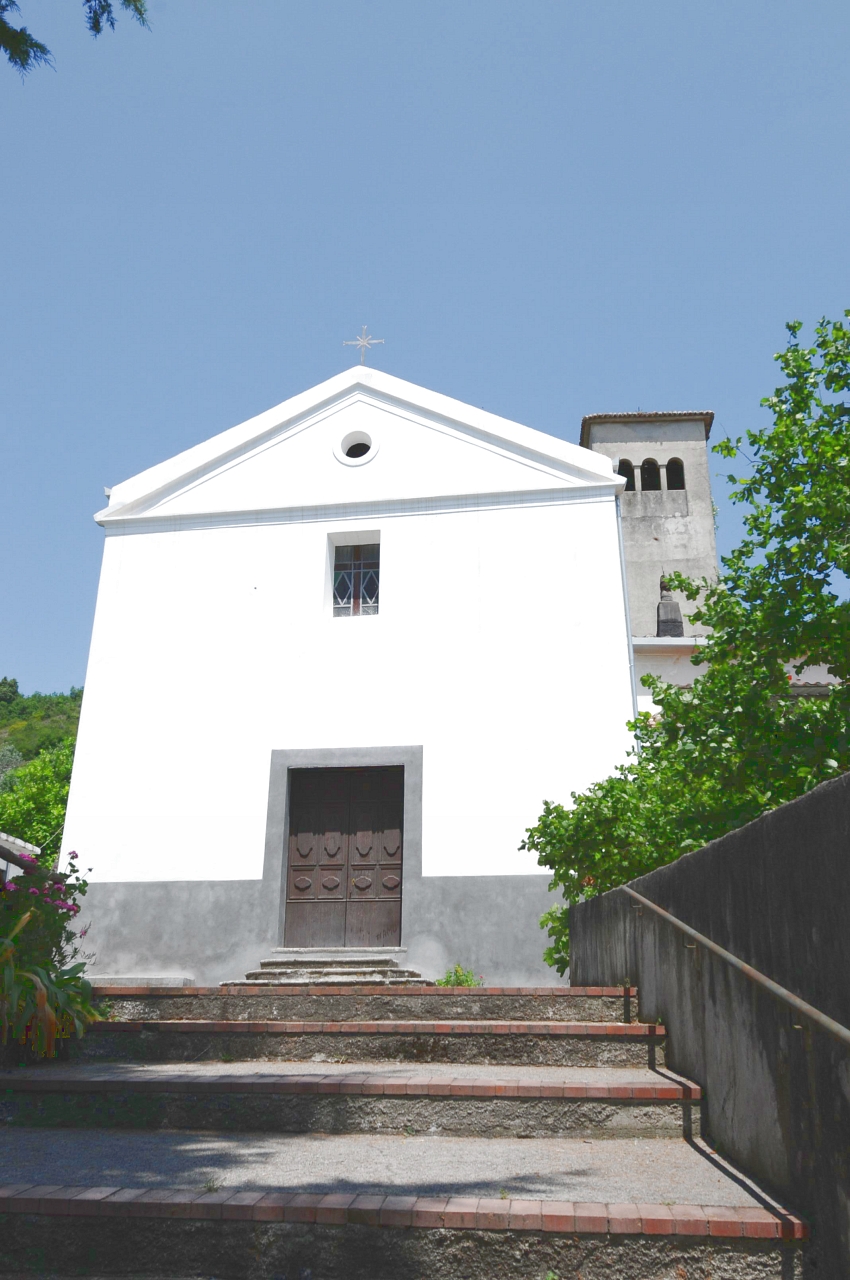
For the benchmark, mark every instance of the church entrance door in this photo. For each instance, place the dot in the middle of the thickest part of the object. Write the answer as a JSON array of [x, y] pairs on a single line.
[[343, 886]]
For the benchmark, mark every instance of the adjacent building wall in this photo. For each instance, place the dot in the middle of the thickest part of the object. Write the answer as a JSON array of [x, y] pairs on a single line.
[[776, 894]]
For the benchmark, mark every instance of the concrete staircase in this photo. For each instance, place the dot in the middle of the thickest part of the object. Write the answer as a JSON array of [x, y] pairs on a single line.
[[374, 1132]]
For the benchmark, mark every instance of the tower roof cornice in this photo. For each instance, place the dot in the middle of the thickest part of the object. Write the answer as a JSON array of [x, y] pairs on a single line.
[[706, 417]]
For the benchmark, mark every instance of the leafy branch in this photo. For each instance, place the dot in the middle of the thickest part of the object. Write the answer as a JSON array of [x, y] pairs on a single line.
[[24, 51]]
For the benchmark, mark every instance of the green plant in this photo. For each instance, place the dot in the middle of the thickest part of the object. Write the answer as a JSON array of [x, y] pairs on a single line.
[[10, 759], [33, 801], [460, 977], [740, 740], [37, 1006], [50, 941], [213, 1183]]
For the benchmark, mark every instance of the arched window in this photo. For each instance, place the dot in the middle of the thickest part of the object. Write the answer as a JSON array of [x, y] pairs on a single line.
[[650, 475], [675, 474], [626, 469]]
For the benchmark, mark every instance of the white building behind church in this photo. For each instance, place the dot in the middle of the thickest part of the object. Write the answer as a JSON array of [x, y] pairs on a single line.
[[341, 655]]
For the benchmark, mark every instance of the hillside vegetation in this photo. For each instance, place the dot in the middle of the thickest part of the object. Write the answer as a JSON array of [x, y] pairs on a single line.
[[38, 732], [31, 722]]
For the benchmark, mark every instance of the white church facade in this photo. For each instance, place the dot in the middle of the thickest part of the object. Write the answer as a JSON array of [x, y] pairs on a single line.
[[341, 654]]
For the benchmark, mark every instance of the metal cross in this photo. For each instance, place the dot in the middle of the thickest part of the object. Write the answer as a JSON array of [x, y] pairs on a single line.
[[364, 342]]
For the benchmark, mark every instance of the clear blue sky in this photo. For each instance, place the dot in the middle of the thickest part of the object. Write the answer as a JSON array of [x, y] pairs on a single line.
[[547, 209]]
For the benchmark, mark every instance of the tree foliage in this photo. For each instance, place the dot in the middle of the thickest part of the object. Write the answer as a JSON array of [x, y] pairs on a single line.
[[31, 722], [25, 52], [740, 740], [33, 807]]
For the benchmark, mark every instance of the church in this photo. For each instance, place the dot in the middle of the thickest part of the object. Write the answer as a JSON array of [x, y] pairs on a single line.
[[341, 655]]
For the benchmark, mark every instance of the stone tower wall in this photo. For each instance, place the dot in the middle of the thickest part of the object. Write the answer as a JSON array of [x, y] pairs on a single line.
[[665, 530]]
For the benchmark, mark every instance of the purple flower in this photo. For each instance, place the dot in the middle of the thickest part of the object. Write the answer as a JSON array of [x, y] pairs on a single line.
[[35, 891]]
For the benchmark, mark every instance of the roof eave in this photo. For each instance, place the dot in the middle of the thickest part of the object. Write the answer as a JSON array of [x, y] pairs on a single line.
[[706, 417]]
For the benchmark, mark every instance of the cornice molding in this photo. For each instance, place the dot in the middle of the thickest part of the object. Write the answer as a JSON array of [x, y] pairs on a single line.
[[159, 522]]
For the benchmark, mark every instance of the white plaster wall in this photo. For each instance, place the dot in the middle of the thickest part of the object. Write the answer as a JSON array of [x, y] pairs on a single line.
[[500, 647]]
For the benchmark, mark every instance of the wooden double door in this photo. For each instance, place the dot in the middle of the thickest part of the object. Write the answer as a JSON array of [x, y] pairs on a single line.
[[343, 885]]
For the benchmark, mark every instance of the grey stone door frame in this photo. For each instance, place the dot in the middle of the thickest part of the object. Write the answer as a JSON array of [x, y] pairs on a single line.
[[277, 821]]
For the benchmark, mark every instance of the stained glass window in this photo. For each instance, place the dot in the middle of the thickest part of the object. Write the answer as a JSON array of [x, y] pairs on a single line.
[[356, 574]]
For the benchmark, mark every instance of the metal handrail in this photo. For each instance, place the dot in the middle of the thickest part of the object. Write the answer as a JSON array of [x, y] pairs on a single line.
[[807, 1010]]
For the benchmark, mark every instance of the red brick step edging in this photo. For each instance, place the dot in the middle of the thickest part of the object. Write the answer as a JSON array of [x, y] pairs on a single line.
[[625, 1030], [358, 1084], [382, 989], [483, 1214]]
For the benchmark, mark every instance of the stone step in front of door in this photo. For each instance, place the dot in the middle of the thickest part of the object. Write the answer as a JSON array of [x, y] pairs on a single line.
[[335, 966], [534, 1043], [481, 1102], [363, 975], [341, 957], [305, 1002]]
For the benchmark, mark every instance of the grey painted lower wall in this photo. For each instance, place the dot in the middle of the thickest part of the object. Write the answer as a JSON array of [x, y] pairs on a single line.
[[215, 931], [206, 930], [775, 893]]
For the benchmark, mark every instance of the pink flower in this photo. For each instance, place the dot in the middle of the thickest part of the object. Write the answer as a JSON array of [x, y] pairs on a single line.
[[10, 886], [35, 891]]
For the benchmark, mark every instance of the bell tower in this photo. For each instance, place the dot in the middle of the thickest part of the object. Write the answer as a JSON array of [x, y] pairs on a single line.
[[667, 511]]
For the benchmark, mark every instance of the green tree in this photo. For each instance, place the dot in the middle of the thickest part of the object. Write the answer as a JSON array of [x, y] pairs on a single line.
[[25, 52], [740, 741], [33, 808], [8, 688]]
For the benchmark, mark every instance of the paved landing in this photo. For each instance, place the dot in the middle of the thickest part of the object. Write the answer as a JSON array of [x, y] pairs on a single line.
[[657, 1170]]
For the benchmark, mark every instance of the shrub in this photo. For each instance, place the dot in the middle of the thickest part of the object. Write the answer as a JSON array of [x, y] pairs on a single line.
[[460, 977], [10, 759], [50, 903], [37, 1007], [42, 996]]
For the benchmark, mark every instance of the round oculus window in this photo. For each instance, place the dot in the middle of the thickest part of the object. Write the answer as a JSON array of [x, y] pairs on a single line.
[[356, 448]]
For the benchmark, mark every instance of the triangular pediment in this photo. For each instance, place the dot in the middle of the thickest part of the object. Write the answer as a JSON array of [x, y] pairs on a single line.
[[421, 446]]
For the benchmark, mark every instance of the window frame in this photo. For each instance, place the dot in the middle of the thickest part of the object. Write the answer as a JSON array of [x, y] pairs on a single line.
[[362, 563]]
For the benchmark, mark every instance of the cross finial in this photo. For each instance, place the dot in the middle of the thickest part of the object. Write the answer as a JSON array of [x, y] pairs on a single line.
[[364, 342]]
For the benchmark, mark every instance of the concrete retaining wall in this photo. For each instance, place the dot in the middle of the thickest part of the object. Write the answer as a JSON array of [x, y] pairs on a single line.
[[776, 893]]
